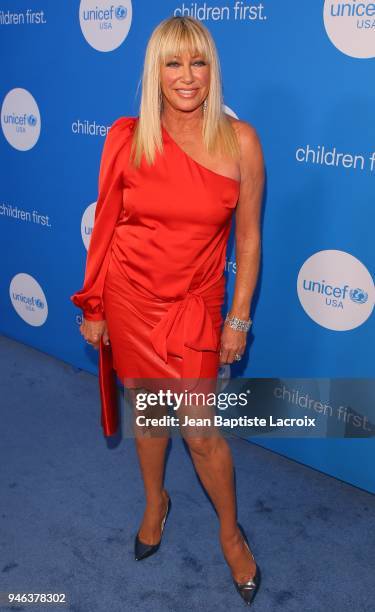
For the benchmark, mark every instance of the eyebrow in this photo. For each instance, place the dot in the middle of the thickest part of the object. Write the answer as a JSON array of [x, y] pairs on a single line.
[[179, 56]]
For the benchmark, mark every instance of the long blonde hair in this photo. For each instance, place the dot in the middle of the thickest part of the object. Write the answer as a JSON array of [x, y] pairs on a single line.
[[174, 36]]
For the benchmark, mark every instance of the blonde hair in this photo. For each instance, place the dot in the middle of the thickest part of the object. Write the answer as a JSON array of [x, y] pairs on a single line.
[[174, 36]]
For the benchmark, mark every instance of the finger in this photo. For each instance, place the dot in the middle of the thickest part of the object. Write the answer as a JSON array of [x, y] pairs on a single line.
[[235, 352], [223, 356], [106, 339], [93, 339], [230, 353], [238, 352], [94, 344]]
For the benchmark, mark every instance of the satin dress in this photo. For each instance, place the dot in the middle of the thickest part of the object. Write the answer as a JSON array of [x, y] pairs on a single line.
[[155, 263]]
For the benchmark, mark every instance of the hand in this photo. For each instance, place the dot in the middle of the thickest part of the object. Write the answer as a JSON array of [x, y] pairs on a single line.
[[92, 331], [233, 341]]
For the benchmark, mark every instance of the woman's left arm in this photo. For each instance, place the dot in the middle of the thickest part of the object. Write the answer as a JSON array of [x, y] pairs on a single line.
[[247, 237]]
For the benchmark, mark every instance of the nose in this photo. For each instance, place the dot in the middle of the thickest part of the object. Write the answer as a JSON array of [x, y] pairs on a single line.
[[187, 75]]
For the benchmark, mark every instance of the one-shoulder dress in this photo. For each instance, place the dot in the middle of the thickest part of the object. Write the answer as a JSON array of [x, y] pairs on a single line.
[[156, 259]]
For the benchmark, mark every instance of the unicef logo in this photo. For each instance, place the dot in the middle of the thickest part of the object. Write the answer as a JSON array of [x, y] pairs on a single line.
[[350, 26], [328, 289], [38, 303], [358, 296], [121, 12], [20, 119], [28, 299], [32, 120], [87, 224], [104, 25]]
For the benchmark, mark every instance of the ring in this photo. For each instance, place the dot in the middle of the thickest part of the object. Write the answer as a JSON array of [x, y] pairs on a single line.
[[237, 357]]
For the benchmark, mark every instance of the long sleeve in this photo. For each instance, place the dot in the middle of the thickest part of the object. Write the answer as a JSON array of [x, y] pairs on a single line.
[[107, 212]]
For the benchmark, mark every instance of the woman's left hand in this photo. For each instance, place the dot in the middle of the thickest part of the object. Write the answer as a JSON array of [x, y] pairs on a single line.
[[233, 341]]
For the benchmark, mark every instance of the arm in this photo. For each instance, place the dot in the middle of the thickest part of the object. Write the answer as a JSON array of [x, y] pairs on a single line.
[[248, 242], [107, 212]]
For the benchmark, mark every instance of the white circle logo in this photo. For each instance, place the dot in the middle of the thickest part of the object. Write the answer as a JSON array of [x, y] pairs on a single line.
[[104, 25], [20, 119], [87, 224], [350, 26], [229, 111], [28, 299], [336, 290]]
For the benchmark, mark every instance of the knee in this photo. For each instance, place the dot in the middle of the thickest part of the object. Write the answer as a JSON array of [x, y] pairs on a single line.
[[202, 446], [147, 441]]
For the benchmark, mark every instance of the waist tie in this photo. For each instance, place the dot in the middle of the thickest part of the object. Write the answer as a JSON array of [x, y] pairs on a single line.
[[185, 330]]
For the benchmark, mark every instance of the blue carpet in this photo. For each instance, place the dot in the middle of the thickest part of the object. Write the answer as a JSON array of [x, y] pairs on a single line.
[[71, 502]]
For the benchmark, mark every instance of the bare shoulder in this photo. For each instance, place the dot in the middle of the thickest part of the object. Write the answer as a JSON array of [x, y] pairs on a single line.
[[251, 152], [248, 137]]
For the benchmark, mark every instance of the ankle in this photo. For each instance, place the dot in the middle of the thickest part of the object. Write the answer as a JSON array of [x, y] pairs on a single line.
[[230, 533], [157, 500]]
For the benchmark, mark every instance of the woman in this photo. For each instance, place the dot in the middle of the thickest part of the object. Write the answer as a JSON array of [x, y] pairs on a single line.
[[169, 183]]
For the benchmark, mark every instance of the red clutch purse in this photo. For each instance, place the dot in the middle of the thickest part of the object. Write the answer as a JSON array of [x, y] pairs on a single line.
[[108, 390]]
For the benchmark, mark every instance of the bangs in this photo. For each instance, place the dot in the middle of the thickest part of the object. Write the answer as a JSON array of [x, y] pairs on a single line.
[[182, 37]]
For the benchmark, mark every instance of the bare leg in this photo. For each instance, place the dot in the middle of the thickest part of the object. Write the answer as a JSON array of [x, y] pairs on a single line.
[[213, 462], [151, 456]]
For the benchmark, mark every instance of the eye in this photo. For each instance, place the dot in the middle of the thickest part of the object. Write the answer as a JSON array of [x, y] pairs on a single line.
[[172, 64], [200, 63]]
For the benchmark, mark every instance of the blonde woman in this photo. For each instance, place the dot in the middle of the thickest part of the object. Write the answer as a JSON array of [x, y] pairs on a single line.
[[170, 181]]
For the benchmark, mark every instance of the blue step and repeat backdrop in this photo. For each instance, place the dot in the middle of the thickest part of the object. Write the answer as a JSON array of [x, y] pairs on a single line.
[[302, 73]]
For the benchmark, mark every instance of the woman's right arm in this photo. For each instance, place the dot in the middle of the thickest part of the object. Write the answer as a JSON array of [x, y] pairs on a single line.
[[108, 208]]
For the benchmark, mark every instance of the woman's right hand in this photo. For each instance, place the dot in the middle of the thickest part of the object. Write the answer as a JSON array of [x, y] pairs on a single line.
[[92, 331]]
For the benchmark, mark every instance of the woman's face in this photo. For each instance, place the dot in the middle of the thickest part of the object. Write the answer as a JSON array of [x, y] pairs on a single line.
[[185, 81]]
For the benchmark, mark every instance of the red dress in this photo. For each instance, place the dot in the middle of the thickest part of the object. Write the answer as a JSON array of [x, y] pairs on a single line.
[[155, 263]]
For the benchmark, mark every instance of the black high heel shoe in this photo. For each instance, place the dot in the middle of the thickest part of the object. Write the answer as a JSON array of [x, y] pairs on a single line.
[[248, 589], [143, 550]]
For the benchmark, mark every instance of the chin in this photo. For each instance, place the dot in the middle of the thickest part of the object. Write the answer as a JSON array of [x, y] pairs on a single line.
[[186, 105]]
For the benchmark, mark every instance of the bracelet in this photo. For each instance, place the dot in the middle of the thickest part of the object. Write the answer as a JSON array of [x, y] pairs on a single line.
[[239, 324]]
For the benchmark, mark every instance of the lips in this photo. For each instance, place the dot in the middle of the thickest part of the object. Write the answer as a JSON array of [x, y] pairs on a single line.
[[186, 93]]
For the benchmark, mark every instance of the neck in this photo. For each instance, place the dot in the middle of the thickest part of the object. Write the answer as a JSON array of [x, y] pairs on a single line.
[[176, 120]]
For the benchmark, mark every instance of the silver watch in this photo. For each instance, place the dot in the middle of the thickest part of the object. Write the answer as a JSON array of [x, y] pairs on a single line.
[[239, 324]]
